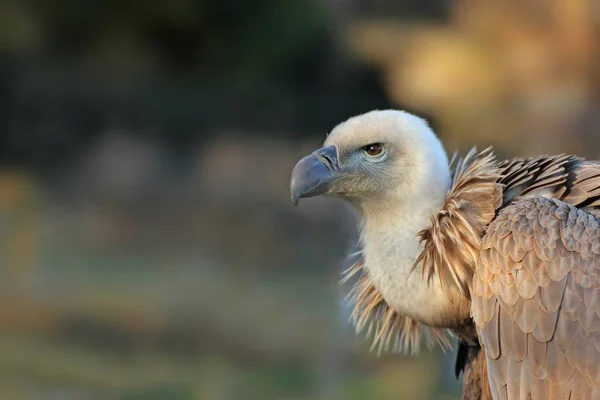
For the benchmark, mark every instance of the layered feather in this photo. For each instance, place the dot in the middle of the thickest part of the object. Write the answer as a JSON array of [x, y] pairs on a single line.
[[537, 310], [450, 248], [388, 329], [451, 244]]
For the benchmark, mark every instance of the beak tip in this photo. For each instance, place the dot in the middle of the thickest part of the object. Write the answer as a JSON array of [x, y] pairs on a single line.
[[294, 193]]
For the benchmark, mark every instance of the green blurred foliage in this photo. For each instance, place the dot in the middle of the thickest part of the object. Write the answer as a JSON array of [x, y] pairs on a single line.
[[229, 39]]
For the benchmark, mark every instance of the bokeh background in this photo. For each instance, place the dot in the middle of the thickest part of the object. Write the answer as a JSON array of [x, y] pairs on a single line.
[[148, 247]]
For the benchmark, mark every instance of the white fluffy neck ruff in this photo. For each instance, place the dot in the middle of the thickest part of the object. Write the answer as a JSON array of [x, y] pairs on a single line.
[[389, 230]]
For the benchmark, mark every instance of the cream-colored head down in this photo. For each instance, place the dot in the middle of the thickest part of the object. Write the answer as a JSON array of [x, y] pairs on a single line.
[[413, 167]]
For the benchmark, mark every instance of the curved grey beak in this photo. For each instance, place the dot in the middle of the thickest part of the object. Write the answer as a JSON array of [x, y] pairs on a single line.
[[314, 173]]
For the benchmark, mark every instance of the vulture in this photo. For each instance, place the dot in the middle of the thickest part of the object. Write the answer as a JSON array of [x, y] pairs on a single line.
[[504, 256]]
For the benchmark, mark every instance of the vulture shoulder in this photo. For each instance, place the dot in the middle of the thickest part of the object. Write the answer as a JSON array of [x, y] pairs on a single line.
[[520, 239], [536, 285]]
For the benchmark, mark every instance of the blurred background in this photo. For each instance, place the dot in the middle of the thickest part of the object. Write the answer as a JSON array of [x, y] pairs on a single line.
[[148, 247]]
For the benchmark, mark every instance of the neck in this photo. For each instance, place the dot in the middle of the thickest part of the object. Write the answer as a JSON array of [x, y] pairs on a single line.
[[390, 248]]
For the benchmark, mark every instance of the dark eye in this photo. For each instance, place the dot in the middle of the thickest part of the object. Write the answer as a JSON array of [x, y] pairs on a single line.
[[374, 149]]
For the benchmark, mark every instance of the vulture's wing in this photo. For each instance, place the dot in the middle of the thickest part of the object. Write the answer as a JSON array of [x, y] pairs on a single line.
[[536, 301]]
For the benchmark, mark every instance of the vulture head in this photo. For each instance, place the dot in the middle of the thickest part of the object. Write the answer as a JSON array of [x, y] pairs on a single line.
[[393, 169], [375, 160]]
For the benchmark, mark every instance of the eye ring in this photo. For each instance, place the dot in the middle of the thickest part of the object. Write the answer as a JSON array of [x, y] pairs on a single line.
[[373, 149]]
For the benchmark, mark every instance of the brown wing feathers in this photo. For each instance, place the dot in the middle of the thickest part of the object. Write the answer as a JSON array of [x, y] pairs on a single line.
[[568, 178], [451, 244], [571, 180], [541, 337], [584, 184]]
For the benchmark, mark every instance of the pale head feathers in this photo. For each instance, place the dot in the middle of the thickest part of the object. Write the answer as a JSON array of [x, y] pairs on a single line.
[[415, 160]]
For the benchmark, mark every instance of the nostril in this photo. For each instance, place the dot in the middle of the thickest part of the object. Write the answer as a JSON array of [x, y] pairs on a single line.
[[328, 161], [328, 156]]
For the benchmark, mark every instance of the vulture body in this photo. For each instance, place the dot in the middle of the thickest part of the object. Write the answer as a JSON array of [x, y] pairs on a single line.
[[503, 255]]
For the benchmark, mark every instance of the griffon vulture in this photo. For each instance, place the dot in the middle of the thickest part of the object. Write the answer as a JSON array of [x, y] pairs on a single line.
[[503, 255]]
